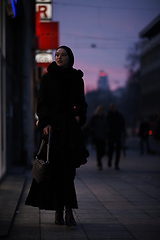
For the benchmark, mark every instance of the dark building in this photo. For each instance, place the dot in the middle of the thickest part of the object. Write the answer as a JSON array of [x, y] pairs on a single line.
[[103, 81], [16, 83], [150, 69]]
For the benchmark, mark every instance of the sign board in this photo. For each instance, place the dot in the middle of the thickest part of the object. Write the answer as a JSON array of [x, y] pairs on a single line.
[[45, 11], [43, 1], [48, 38], [43, 57], [47, 32]]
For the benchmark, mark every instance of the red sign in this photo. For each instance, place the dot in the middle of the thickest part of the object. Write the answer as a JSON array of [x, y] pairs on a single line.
[[38, 24], [45, 10], [48, 38], [44, 67]]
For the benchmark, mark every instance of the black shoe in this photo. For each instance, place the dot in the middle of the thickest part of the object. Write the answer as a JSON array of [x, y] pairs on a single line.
[[70, 221], [59, 218]]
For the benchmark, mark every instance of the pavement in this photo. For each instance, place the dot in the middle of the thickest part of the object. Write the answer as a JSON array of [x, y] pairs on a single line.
[[113, 204]]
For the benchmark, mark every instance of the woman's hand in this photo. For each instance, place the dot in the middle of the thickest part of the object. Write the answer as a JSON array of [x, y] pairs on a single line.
[[47, 130]]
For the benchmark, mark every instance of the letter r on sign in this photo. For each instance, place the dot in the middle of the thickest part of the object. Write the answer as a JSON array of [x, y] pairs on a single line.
[[42, 10]]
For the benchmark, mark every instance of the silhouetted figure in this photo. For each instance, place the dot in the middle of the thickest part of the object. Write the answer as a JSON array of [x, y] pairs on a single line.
[[144, 135], [98, 129], [116, 129]]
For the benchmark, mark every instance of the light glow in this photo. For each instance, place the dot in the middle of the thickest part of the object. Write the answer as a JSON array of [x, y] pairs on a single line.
[[13, 7]]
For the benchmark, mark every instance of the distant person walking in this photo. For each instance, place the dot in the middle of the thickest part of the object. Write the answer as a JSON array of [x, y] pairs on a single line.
[[116, 129], [144, 136], [98, 128]]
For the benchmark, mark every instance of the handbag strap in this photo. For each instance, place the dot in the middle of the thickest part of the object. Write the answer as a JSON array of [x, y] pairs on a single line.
[[48, 146], [41, 146]]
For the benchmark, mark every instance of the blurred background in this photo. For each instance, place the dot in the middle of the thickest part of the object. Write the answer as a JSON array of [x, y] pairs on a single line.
[[116, 43]]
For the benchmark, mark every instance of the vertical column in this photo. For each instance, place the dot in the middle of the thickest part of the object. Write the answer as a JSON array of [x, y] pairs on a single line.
[[27, 88], [2, 91]]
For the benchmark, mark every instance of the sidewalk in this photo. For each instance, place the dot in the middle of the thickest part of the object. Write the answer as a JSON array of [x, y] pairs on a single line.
[[121, 205]]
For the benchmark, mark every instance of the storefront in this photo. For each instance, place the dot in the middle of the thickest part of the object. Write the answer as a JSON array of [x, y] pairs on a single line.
[[17, 67], [2, 90]]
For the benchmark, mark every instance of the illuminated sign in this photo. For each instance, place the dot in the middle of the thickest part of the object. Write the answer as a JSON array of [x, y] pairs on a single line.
[[43, 1], [43, 57], [11, 8], [48, 38], [38, 24], [45, 10], [47, 32]]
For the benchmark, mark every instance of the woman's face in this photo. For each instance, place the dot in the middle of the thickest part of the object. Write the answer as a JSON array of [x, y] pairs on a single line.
[[62, 58]]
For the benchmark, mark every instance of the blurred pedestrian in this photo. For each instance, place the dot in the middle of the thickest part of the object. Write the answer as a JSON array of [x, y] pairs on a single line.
[[116, 129], [98, 129], [61, 110], [144, 135], [123, 142]]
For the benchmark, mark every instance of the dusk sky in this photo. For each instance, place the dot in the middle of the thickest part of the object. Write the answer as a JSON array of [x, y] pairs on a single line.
[[112, 26]]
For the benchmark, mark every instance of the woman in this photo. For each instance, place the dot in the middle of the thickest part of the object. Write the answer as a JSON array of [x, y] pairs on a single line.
[[61, 109]]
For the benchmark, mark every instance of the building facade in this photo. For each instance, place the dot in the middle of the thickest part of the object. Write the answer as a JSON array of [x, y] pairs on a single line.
[[2, 89], [150, 70], [16, 83]]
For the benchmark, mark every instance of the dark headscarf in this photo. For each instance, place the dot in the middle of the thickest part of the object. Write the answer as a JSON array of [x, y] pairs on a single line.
[[70, 54]]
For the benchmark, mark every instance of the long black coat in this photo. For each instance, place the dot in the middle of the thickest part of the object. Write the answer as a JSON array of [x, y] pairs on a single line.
[[61, 99]]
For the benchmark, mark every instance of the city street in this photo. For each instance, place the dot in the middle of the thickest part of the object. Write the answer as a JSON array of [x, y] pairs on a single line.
[[113, 204], [73, 71]]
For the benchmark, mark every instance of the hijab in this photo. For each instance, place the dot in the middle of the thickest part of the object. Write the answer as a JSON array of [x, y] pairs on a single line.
[[70, 54]]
